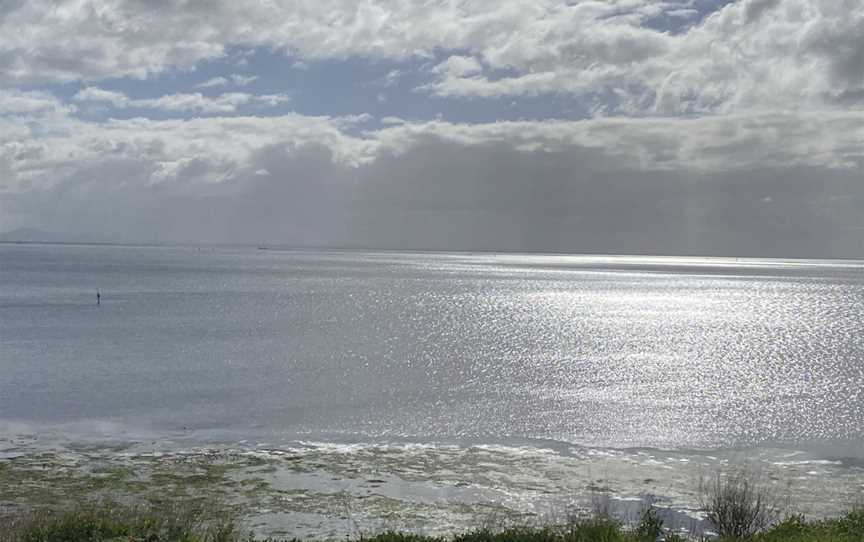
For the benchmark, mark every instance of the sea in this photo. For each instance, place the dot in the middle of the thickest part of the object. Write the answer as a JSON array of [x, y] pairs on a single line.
[[432, 392]]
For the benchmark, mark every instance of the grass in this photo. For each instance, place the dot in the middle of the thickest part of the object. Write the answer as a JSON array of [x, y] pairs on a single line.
[[737, 504], [170, 522], [174, 522]]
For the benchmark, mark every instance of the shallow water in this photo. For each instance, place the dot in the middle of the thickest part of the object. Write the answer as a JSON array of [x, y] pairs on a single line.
[[702, 360]]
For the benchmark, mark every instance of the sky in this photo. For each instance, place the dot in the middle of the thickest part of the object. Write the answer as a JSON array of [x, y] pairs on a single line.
[[697, 127]]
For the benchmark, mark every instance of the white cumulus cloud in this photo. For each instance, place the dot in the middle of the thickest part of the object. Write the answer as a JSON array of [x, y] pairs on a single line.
[[183, 102], [235, 78]]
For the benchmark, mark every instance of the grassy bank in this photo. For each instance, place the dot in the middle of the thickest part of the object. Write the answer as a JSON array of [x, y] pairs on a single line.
[[173, 522]]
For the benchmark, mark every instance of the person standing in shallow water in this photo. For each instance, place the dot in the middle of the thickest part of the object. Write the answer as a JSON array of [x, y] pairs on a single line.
[[98, 298]]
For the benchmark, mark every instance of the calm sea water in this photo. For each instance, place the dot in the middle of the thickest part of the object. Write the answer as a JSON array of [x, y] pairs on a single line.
[[265, 348]]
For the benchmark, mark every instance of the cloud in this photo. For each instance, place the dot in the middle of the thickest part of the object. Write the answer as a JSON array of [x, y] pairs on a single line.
[[16, 102], [213, 82], [235, 78], [684, 13], [659, 185], [730, 132], [458, 66], [392, 78], [95, 94], [708, 144], [392, 120], [242, 80], [194, 102], [747, 54]]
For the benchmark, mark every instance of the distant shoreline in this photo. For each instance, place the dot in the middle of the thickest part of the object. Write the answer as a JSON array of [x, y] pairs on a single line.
[[420, 251]]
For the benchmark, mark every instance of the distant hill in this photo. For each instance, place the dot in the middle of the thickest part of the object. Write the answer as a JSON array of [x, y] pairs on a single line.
[[35, 235]]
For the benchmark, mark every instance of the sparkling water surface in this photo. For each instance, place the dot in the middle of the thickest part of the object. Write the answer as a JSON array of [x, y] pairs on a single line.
[[621, 352], [231, 347]]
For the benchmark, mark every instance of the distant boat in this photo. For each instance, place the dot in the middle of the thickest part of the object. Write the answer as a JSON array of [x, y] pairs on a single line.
[[262, 247]]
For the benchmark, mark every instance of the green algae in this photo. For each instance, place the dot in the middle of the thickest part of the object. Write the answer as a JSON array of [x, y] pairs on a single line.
[[247, 484], [54, 479]]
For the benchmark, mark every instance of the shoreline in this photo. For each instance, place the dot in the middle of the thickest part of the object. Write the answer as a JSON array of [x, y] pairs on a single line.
[[197, 511], [689, 259], [442, 490]]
